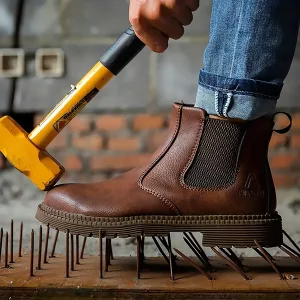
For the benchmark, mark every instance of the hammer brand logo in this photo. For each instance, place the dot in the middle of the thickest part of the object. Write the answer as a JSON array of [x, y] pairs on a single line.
[[251, 188]]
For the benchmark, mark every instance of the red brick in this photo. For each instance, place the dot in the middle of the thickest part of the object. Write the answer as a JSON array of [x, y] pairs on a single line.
[[295, 141], [284, 160], [73, 163], [89, 142], [111, 122], [284, 180], [156, 139], [2, 161], [124, 144], [278, 140], [59, 142], [145, 122], [117, 163], [81, 123]]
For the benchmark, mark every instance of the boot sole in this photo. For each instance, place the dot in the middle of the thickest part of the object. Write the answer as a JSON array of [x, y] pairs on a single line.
[[225, 231]]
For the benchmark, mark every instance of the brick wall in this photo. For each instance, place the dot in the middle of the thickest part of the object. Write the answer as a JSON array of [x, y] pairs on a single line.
[[96, 147]]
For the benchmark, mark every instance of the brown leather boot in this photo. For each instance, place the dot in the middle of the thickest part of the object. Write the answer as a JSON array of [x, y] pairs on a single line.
[[211, 176]]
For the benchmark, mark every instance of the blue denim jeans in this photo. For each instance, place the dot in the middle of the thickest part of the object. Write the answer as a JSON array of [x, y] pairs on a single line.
[[249, 54]]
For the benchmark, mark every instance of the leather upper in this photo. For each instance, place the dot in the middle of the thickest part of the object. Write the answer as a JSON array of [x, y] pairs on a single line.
[[158, 187]]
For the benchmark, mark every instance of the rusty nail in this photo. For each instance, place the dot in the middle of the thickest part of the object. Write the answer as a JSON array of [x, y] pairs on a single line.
[[143, 248], [107, 255], [111, 250], [291, 249], [138, 257], [46, 244], [67, 254], [231, 263], [269, 258], [1, 242], [72, 253], [292, 241], [170, 257], [82, 248], [54, 244], [31, 252], [12, 241], [39, 266], [101, 255], [193, 264], [289, 253], [20, 239], [6, 251], [160, 249], [77, 249], [200, 249], [189, 242]]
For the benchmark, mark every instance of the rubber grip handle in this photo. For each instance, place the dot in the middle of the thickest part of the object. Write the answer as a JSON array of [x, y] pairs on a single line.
[[126, 47]]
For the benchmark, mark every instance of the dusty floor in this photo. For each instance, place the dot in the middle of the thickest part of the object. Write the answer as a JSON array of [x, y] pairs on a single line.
[[19, 198]]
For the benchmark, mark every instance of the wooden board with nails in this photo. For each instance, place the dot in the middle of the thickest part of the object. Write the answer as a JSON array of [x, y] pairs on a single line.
[[75, 273]]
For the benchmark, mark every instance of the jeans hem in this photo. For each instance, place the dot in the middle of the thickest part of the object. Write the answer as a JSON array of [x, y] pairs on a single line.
[[232, 105], [250, 87]]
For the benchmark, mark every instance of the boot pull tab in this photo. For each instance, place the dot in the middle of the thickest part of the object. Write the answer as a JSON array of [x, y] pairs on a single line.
[[286, 129]]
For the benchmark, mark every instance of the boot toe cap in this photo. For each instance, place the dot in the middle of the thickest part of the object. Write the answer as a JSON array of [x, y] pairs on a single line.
[[64, 198]]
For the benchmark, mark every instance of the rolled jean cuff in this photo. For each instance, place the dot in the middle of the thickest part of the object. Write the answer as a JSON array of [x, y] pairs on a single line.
[[245, 99]]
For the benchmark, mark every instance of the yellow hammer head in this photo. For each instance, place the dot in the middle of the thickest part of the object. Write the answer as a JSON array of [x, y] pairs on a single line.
[[38, 165]]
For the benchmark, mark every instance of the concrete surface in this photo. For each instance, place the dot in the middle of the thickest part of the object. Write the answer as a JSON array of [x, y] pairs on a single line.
[[7, 21], [19, 199], [129, 89]]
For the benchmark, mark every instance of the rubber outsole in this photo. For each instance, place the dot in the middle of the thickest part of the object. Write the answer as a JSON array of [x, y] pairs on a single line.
[[225, 231]]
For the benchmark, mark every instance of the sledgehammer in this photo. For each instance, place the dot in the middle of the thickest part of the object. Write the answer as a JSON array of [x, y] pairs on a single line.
[[27, 152]]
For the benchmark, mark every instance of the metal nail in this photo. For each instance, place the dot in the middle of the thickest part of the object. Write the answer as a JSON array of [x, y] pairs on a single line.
[[31, 252], [67, 254], [21, 239], [193, 264], [1, 242], [160, 249], [291, 249], [111, 250], [46, 244], [12, 241], [267, 256], [54, 244], [6, 265], [170, 257], [39, 266], [138, 257], [292, 241], [83, 247], [77, 250], [189, 242], [107, 255], [200, 249], [101, 255], [72, 253], [232, 264], [143, 248], [289, 253], [231, 255]]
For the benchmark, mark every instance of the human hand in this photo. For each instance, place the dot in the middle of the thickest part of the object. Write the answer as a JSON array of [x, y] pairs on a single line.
[[156, 21]]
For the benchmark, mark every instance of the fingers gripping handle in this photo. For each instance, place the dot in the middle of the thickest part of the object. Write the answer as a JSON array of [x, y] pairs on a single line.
[[122, 51]]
